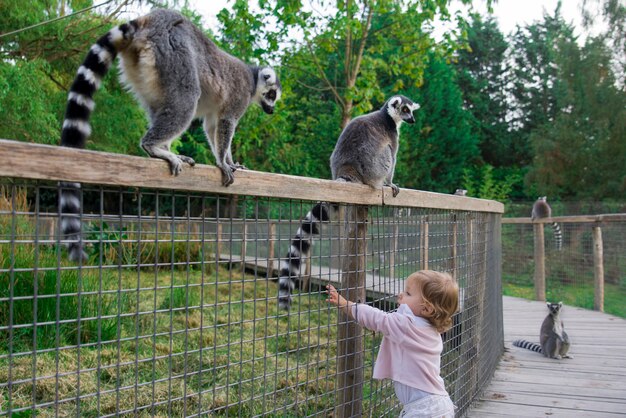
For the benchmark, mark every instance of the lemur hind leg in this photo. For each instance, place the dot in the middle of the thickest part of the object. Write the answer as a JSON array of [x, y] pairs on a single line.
[[166, 126]]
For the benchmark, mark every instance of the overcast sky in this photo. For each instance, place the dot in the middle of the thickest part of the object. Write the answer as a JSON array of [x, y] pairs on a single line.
[[508, 12]]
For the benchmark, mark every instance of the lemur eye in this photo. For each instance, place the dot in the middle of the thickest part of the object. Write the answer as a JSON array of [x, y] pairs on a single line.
[[271, 95], [405, 109]]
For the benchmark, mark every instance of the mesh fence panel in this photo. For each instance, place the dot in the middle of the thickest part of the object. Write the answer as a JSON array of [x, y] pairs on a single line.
[[569, 271], [175, 313]]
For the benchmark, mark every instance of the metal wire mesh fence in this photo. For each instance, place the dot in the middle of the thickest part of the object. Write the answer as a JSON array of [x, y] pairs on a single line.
[[175, 312], [588, 243]]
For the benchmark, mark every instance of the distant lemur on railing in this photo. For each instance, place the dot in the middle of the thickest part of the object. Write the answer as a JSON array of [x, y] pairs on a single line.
[[541, 209]]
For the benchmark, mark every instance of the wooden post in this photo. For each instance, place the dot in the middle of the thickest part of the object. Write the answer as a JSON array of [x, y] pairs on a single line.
[[350, 347], [270, 249], [424, 245], [540, 263], [598, 269]]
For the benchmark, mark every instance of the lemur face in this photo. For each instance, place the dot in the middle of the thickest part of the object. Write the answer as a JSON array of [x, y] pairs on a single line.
[[401, 109], [268, 90], [554, 308]]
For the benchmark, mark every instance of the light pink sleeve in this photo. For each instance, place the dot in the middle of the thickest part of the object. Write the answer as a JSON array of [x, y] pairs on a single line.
[[391, 325]]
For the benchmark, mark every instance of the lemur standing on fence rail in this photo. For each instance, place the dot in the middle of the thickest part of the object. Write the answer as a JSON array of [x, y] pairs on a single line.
[[177, 74], [541, 209], [365, 153], [553, 338]]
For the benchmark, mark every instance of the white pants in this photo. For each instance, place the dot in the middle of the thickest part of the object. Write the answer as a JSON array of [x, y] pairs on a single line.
[[432, 406]]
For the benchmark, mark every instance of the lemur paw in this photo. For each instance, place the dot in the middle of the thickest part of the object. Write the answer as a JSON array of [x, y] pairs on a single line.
[[187, 160], [394, 190], [227, 176], [237, 166], [176, 166]]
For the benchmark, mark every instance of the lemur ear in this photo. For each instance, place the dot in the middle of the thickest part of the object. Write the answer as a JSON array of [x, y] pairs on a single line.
[[267, 76], [395, 102], [415, 106]]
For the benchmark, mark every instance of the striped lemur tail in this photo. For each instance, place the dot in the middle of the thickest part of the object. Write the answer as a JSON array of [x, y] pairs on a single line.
[[299, 250], [558, 236], [527, 345], [76, 128]]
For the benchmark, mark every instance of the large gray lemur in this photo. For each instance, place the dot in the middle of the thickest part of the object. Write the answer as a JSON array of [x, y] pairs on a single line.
[[177, 74], [365, 153]]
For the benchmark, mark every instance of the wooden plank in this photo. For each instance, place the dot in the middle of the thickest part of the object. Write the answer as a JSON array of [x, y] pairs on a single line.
[[548, 400], [592, 384], [522, 410], [562, 387], [609, 217], [409, 198], [46, 162]]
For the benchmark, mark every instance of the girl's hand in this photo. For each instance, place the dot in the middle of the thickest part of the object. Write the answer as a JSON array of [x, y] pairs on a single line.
[[334, 297]]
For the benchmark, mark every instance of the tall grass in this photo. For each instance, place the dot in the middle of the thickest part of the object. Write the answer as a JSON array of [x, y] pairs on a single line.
[[45, 304]]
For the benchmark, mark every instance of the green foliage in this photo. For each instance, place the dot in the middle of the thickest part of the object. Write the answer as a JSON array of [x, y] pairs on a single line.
[[434, 152], [534, 104], [26, 111], [482, 182]]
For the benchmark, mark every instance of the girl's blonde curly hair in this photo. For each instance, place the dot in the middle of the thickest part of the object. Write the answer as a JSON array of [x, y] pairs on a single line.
[[441, 296]]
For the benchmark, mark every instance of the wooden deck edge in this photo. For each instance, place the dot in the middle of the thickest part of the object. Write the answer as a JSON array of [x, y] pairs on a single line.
[[55, 163]]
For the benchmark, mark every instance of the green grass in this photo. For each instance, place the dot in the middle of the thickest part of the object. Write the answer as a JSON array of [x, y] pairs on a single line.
[[573, 295]]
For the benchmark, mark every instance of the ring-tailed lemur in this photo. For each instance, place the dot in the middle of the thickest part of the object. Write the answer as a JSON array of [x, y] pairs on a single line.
[[365, 153], [541, 209], [460, 192], [553, 338], [177, 74]]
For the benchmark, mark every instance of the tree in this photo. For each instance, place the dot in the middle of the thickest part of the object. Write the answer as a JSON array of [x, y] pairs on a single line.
[[434, 159], [482, 72], [582, 152]]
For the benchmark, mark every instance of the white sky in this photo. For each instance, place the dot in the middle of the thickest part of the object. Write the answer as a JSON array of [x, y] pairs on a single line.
[[508, 12]]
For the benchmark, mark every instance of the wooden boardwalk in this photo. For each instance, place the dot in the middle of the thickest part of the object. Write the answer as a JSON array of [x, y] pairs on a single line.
[[526, 384]]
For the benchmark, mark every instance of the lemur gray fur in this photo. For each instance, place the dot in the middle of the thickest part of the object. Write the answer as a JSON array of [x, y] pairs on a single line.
[[541, 209], [460, 192], [554, 341], [365, 153], [177, 74]]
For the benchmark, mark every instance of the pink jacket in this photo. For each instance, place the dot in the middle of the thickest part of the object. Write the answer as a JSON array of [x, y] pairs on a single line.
[[410, 352]]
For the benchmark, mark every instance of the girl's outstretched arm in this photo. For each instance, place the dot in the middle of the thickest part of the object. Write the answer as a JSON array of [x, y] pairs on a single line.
[[336, 299]]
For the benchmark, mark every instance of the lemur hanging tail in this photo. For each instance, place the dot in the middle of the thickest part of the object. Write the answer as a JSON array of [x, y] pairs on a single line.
[[527, 345], [76, 128], [558, 235], [299, 250]]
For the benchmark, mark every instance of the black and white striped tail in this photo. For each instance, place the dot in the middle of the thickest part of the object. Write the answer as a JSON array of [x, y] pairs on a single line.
[[527, 345], [69, 202], [558, 236], [298, 251], [76, 128]]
